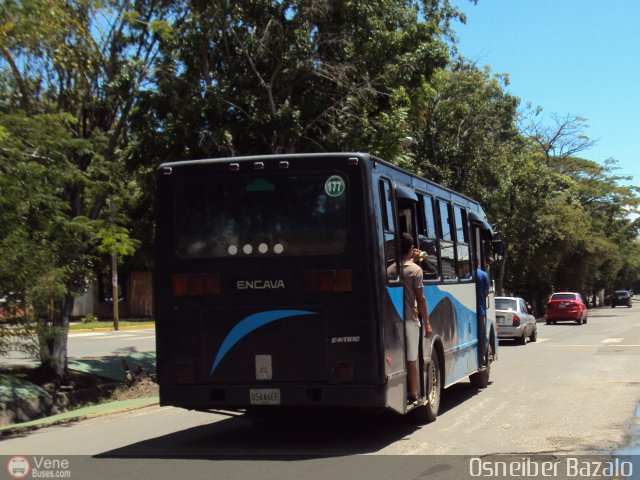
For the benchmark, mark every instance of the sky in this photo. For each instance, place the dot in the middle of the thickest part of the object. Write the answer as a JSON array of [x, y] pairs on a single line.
[[576, 57]]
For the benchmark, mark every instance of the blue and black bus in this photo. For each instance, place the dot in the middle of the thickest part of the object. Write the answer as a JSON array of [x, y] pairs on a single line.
[[275, 284]]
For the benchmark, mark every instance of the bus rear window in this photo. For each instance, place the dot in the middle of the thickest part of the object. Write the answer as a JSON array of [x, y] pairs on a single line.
[[260, 216]]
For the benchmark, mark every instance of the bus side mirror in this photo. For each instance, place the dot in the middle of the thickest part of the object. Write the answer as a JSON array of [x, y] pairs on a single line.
[[498, 247]]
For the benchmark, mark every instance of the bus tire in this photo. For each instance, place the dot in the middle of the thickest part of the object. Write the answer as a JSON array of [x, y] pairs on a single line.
[[480, 379], [428, 412]]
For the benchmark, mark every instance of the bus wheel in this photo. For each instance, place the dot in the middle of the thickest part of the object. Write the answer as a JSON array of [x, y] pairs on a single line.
[[429, 411], [481, 379]]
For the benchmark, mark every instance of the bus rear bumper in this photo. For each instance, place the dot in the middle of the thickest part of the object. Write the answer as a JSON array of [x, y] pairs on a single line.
[[238, 397]]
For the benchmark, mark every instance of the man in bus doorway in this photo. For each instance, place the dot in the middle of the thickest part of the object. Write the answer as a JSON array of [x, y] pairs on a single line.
[[482, 292], [414, 303]]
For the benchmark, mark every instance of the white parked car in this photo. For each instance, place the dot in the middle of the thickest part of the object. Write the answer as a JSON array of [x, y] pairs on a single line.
[[514, 320]]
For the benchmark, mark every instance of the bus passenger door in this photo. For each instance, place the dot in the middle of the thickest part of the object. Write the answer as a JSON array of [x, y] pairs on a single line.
[[408, 223], [482, 242]]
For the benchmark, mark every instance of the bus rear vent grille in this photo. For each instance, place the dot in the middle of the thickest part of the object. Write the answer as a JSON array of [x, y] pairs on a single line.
[[315, 394], [218, 395]]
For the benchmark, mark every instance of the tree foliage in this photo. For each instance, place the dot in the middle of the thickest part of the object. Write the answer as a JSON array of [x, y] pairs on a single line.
[[466, 135], [250, 76], [73, 72], [577, 232]]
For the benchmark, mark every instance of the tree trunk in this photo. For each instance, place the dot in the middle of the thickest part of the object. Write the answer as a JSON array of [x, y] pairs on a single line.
[[115, 297], [53, 353]]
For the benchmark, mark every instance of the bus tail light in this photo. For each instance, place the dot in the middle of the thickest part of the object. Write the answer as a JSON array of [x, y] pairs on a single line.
[[326, 280], [196, 284], [344, 371], [184, 373]]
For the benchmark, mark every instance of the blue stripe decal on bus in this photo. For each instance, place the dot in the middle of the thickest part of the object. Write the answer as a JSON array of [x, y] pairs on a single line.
[[433, 296], [396, 294], [462, 346], [248, 325]]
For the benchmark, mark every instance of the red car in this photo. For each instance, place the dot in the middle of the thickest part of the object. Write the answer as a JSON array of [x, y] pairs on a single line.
[[566, 306]]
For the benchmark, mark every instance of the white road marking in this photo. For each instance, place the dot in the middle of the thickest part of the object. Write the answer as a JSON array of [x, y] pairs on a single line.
[[612, 340], [110, 335], [125, 335]]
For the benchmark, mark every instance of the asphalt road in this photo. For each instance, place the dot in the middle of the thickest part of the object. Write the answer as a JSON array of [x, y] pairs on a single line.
[[101, 344], [96, 344], [573, 392]]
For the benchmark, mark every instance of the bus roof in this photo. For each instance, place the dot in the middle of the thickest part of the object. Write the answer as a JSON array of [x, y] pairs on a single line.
[[251, 158], [335, 155]]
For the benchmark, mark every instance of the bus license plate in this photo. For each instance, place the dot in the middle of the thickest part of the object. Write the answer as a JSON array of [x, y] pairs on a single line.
[[264, 396]]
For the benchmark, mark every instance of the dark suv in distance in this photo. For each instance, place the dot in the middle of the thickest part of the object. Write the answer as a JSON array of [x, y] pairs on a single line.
[[622, 298]]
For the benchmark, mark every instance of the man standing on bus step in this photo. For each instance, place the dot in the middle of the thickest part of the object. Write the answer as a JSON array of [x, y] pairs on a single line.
[[414, 303], [482, 292]]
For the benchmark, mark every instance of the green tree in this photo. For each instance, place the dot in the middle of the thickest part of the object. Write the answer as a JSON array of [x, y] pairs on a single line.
[[596, 192], [83, 62], [466, 137], [265, 77], [42, 247], [564, 219], [575, 232]]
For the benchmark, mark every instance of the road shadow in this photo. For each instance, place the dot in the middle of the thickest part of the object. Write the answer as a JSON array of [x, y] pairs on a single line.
[[115, 367], [566, 323], [509, 342], [457, 395], [312, 434], [323, 434]]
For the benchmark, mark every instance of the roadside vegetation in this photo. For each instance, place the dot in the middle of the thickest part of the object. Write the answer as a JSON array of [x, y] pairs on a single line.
[[95, 94]]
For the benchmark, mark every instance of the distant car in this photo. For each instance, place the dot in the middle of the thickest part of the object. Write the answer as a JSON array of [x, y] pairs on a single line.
[[622, 298], [514, 320], [566, 306]]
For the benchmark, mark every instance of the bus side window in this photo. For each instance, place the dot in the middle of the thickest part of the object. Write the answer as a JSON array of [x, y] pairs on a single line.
[[477, 247], [404, 220], [389, 229], [462, 242], [427, 240], [447, 250]]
